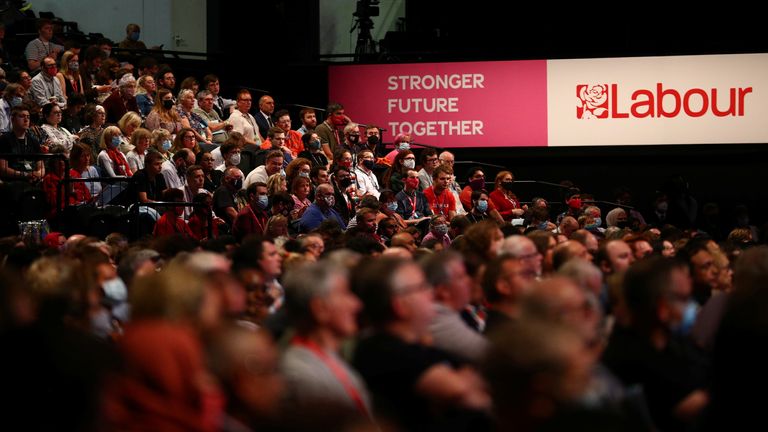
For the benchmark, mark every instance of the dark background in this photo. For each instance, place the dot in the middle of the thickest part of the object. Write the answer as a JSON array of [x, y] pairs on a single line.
[[278, 52]]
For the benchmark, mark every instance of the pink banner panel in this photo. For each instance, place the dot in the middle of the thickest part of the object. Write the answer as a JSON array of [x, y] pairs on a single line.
[[472, 104]]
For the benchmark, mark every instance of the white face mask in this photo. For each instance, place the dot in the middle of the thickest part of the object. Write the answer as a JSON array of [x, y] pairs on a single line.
[[409, 163], [234, 159]]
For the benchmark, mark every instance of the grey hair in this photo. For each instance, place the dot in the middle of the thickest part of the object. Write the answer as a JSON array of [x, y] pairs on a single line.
[[513, 245], [580, 271], [305, 283]]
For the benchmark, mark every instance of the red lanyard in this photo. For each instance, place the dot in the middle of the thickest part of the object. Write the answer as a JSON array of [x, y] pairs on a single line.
[[337, 370], [413, 203]]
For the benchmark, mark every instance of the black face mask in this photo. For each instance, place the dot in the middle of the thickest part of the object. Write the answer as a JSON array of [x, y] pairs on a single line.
[[507, 185], [373, 141], [354, 139], [368, 164], [345, 182], [167, 104]]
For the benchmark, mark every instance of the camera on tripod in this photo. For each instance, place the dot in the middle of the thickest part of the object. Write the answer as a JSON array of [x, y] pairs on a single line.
[[367, 9]]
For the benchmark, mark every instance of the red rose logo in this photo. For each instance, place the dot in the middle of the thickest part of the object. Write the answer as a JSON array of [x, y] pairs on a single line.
[[592, 102]]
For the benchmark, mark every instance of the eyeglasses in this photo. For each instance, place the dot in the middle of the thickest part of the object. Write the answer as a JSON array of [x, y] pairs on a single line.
[[50, 66]]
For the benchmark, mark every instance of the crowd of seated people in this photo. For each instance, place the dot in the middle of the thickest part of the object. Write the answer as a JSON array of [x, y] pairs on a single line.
[[321, 283]]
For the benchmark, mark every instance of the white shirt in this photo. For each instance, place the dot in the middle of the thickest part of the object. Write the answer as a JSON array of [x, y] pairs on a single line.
[[255, 176], [367, 183], [246, 125]]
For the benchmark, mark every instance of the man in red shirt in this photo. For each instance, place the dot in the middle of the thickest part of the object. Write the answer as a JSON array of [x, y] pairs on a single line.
[[440, 199]]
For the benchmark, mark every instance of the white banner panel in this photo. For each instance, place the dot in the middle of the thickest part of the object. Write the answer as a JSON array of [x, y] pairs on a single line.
[[658, 100]]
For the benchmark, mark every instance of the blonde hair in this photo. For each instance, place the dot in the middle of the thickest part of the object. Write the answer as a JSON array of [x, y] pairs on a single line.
[[128, 119], [273, 184], [109, 133]]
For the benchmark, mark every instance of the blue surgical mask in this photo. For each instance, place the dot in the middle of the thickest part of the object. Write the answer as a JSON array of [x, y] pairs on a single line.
[[404, 146], [115, 141], [482, 206], [134, 36], [392, 206], [314, 145], [167, 144], [262, 201], [598, 222], [16, 101], [440, 229], [115, 290], [304, 174]]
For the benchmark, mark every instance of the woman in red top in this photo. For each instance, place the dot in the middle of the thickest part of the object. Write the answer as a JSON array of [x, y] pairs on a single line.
[[198, 220], [504, 199]]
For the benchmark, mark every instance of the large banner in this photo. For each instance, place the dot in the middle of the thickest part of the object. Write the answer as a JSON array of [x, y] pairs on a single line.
[[617, 101], [479, 104]]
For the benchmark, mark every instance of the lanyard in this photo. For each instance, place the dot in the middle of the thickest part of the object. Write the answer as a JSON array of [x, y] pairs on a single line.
[[413, 203], [337, 370]]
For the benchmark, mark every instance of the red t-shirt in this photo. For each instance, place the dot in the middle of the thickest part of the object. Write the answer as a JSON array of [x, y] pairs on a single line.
[[441, 204]]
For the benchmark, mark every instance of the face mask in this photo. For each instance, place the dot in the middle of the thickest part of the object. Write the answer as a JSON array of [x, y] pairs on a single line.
[[373, 141], [688, 319], [354, 139], [412, 182], [234, 159], [477, 184], [440, 230], [622, 224], [392, 206], [507, 185], [543, 226], [338, 120], [368, 164], [662, 207], [167, 144], [303, 174], [409, 163], [482, 206], [574, 203], [16, 101], [115, 290], [345, 182], [282, 172], [134, 36], [314, 145], [115, 141], [598, 222], [238, 184], [262, 201], [404, 146], [167, 104], [330, 200], [74, 66]]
